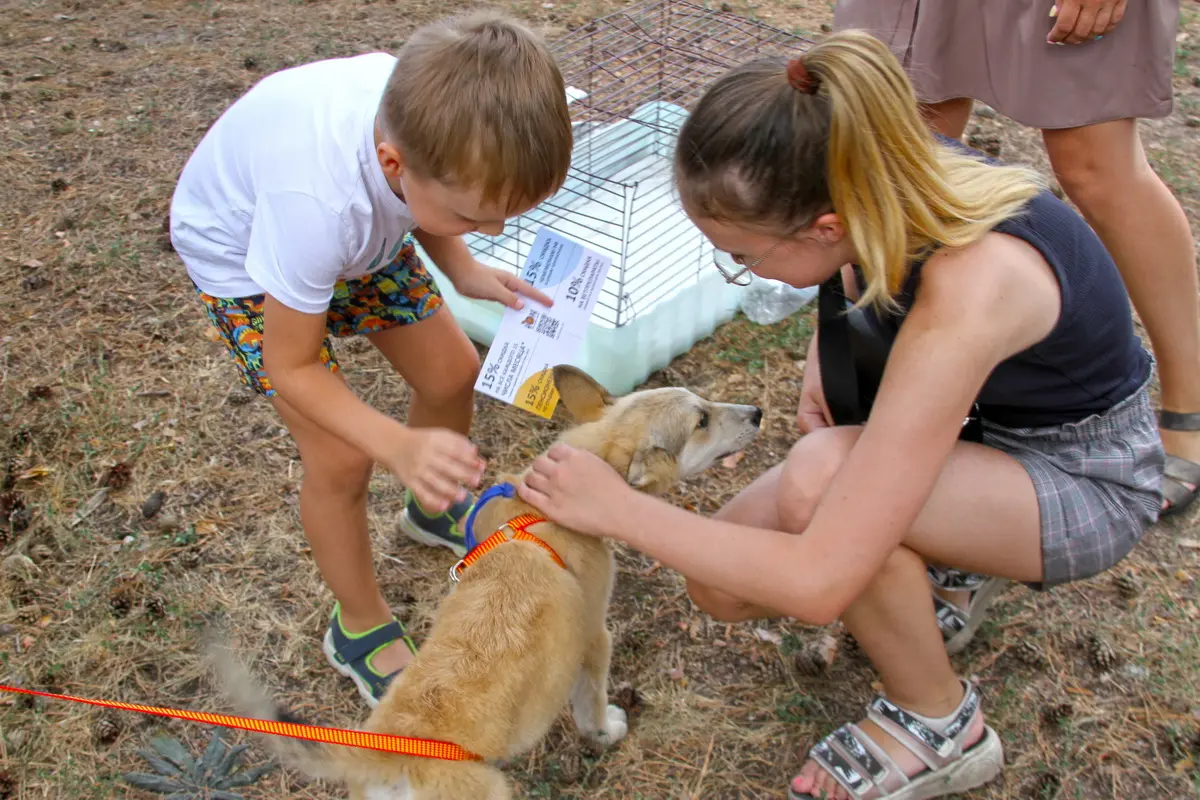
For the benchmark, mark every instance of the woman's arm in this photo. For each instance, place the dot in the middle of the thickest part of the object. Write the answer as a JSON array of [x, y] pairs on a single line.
[[975, 308]]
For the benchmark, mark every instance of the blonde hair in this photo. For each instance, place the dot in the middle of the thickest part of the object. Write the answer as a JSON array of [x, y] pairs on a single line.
[[757, 151], [478, 101]]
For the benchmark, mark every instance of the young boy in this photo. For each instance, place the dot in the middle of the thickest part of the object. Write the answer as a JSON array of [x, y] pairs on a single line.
[[293, 218]]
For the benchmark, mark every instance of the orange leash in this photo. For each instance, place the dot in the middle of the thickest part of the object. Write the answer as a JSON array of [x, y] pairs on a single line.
[[520, 527], [388, 743]]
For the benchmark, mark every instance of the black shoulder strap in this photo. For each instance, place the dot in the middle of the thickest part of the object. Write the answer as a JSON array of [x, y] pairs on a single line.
[[839, 378], [839, 367]]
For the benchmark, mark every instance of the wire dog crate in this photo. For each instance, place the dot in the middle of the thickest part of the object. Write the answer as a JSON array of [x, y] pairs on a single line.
[[632, 77]]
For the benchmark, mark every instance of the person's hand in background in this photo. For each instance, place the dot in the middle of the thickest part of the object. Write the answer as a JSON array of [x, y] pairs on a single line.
[[1079, 21]]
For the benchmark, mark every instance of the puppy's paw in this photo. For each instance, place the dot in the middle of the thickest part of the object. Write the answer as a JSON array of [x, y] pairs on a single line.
[[616, 725]]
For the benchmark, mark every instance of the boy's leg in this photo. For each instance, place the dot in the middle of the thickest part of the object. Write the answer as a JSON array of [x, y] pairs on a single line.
[[333, 508], [333, 511], [401, 312], [440, 364], [436, 359]]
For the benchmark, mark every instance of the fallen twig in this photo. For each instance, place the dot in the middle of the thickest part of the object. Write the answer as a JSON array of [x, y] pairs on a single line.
[[89, 507]]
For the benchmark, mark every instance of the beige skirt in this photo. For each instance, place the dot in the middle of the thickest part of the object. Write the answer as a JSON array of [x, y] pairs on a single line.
[[996, 51]]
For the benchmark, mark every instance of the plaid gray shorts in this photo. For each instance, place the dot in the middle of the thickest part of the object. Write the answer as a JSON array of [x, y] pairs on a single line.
[[1098, 484]]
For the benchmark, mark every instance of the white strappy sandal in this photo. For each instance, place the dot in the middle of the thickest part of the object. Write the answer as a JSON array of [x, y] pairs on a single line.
[[860, 766], [957, 624]]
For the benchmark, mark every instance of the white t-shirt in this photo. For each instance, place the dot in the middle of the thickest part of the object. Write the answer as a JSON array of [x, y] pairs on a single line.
[[285, 195]]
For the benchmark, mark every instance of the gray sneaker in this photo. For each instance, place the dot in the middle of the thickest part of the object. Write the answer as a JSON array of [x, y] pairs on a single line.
[[440, 530]]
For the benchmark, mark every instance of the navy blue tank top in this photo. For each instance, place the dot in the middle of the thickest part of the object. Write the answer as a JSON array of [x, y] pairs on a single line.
[[1092, 359]]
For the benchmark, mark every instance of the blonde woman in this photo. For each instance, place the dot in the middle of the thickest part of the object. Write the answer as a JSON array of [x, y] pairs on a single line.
[[1002, 296], [1083, 72]]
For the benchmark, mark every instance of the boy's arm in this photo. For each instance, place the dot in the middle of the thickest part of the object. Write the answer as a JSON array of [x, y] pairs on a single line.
[[297, 249], [433, 463], [472, 279]]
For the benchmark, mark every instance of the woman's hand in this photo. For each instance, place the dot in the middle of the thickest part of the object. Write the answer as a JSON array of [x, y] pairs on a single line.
[[574, 488], [489, 283], [813, 412], [1079, 21]]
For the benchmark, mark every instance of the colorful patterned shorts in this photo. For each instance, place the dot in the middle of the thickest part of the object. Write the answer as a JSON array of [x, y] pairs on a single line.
[[401, 293]]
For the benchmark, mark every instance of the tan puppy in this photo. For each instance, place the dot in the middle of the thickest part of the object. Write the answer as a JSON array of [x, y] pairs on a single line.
[[519, 636]]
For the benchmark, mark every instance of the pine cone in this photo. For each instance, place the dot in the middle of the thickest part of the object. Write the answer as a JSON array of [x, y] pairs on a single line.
[[1046, 787], [1128, 585], [190, 558], [10, 502], [1030, 654], [1100, 652], [26, 595], [1056, 715], [630, 700], [850, 645], [121, 601], [816, 657], [117, 477], [19, 520], [107, 728], [155, 606], [14, 516]]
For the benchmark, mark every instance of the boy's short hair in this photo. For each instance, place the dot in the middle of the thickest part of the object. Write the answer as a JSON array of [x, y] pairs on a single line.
[[478, 101]]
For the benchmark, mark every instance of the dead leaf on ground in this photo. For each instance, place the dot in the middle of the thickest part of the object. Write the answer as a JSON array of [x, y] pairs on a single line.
[[733, 459], [768, 636], [33, 473]]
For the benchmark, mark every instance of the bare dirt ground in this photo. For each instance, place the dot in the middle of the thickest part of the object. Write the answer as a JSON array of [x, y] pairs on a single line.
[[110, 393]]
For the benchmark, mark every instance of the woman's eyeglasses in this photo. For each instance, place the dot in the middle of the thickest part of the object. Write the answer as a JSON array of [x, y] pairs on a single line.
[[734, 270]]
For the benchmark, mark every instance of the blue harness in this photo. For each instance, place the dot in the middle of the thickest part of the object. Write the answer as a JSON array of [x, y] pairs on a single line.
[[505, 489]]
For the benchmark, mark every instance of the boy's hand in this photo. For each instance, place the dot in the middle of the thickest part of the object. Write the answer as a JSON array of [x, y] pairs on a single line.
[[435, 464], [488, 283]]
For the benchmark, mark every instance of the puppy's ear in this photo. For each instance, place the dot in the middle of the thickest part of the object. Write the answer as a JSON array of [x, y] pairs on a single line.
[[653, 470], [583, 397]]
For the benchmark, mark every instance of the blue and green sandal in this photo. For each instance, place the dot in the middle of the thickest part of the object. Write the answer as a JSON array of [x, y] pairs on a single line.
[[351, 653], [440, 530]]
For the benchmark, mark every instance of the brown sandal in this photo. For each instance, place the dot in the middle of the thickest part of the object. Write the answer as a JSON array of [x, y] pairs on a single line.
[[1181, 478]]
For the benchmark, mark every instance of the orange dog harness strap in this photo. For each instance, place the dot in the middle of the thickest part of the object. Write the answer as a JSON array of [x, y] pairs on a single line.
[[388, 743], [520, 528]]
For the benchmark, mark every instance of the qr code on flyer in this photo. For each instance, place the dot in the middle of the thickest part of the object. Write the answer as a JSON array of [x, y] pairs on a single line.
[[543, 324]]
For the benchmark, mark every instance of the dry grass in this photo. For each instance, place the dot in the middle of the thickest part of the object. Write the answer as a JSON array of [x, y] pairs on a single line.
[[103, 362]]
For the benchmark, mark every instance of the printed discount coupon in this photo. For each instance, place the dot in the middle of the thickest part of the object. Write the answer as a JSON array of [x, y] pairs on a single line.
[[529, 343]]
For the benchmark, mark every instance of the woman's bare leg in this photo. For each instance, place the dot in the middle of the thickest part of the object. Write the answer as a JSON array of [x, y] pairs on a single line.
[[982, 516], [1104, 170]]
